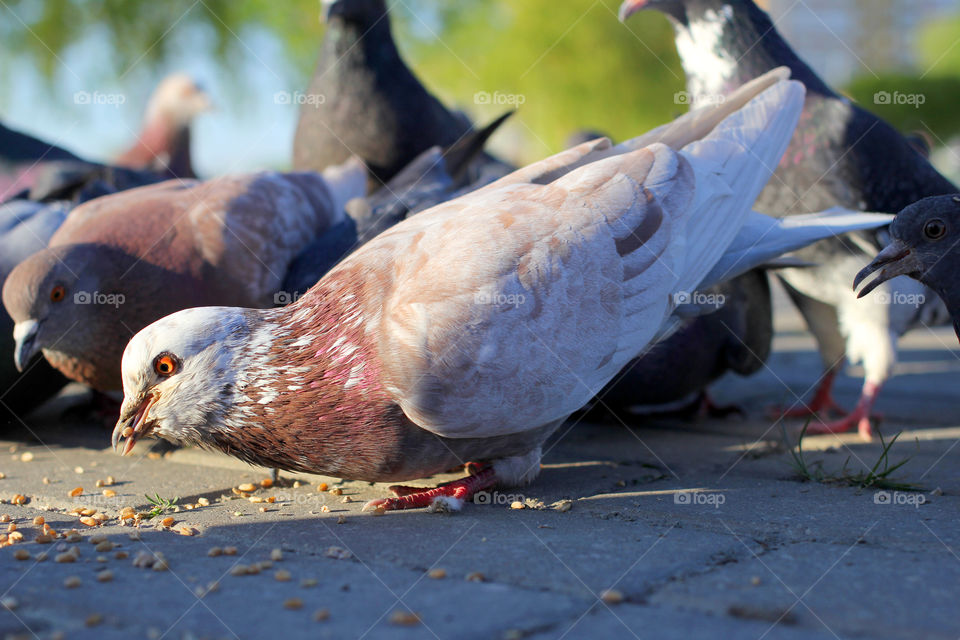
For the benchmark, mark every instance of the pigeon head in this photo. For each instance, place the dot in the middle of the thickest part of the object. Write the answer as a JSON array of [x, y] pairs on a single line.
[[357, 11], [168, 369], [684, 12], [923, 239], [177, 100], [80, 303]]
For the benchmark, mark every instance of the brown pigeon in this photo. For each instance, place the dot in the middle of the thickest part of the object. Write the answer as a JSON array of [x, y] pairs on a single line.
[[164, 142], [122, 261], [469, 332]]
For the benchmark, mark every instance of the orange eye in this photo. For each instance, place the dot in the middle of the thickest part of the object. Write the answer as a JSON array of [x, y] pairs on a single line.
[[57, 293], [165, 365]]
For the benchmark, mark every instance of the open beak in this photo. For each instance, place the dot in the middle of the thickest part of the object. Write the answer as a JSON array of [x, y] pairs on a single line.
[[134, 422], [25, 335], [630, 7], [897, 259]]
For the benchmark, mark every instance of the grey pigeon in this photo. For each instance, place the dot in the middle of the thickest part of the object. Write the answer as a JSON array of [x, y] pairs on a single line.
[[923, 245], [840, 155], [364, 100]]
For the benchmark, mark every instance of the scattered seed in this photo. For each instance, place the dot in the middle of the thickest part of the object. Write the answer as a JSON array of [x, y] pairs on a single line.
[[110, 481], [247, 487], [78, 470], [341, 519], [90, 522], [99, 483], [337, 491], [214, 552], [437, 574], [476, 576], [144, 560], [323, 486], [184, 530], [516, 504], [282, 575], [347, 500], [563, 505], [76, 492], [203, 502], [15, 536], [404, 618], [378, 510], [45, 480], [105, 576], [109, 493], [134, 535], [168, 521], [121, 555], [93, 620], [255, 499], [43, 538], [160, 565], [26, 456], [239, 570], [39, 521], [98, 539], [266, 483], [64, 557], [293, 603], [5, 518], [9, 603], [324, 509], [72, 582], [339, 553], [229, 551], [106, 545], [11, 527], [297, 484], [612, 596], [21, 554], [276, 555], [102, 559], [320, 615], [272, 499], [306, 583], [88, 512], [19, 499]]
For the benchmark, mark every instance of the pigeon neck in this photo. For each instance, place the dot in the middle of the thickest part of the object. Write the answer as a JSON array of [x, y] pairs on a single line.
[[722, 47], [347, 39]]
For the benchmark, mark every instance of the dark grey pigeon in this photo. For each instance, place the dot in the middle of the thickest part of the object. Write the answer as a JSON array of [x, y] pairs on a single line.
[[364, 100], [924, 241], [840, 155], [674, 374]]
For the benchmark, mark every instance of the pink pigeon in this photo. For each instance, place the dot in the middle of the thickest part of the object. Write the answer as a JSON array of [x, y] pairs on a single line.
[[468, 333]]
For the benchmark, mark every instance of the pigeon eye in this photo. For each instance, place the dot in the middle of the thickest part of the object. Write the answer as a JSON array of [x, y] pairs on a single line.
[[57, 293], [165, 365], [934, 229]]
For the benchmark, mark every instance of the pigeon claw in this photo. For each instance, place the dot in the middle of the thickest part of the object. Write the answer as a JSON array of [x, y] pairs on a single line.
[[447, 497]]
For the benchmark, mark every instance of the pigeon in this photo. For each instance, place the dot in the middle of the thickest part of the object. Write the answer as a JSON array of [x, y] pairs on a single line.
[[923, 246], [122, 261], [21, 157], [164, 142], [469, 332], [364, 100], [25, 227], [840, 155]]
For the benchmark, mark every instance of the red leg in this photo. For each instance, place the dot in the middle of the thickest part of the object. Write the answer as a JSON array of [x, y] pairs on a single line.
[[822, 401], [859, 417], [454, 494]]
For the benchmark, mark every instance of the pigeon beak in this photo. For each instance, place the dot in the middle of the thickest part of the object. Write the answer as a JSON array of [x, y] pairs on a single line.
[[25, 335], [133, 422], [630, 7], [897, 259]]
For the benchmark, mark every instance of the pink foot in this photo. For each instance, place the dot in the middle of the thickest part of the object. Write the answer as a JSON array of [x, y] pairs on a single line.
[[822, 401], [452, 494], [860, 417]]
